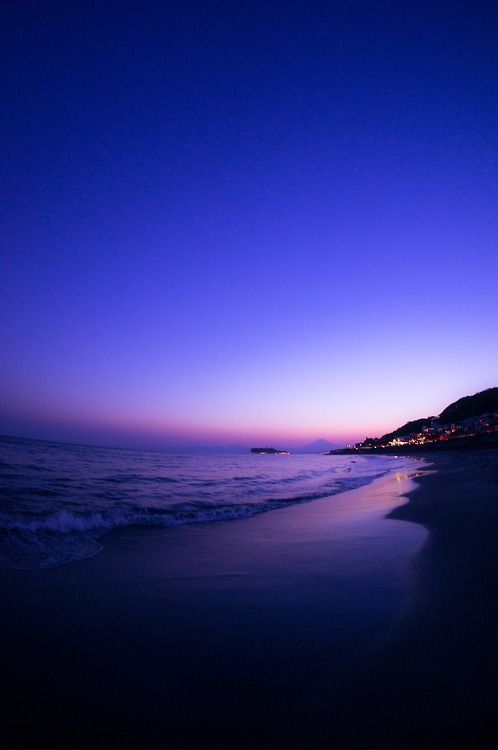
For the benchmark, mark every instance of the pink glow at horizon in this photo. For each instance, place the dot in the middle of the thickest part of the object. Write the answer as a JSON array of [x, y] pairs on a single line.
[[277, 424]]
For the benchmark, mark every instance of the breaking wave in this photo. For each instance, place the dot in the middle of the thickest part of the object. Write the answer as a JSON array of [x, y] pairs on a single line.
[[65, 536], [57, 510]]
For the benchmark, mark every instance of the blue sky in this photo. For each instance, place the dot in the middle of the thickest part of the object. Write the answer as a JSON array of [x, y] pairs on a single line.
[[224, 223]]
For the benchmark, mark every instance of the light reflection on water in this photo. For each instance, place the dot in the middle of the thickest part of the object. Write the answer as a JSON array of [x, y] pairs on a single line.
[[58, 500]]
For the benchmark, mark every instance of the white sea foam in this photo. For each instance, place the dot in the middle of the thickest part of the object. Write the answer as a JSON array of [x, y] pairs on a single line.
[[58, 501]]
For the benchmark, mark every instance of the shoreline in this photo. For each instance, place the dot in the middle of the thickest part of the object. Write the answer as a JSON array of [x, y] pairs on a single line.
[[207, 631], [329, 623], [444, 650]]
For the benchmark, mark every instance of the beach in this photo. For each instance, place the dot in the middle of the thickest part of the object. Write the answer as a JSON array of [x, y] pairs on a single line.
[[360, 620], [445, 651]]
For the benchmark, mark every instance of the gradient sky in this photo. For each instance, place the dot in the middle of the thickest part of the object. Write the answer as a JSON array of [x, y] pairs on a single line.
[[246, 222]]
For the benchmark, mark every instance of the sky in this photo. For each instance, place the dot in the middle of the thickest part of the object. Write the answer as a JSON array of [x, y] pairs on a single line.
[[230, 222]]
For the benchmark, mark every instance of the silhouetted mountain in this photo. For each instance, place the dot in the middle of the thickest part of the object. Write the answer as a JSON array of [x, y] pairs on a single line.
[[484, 402], [317, 446], [417, 425]]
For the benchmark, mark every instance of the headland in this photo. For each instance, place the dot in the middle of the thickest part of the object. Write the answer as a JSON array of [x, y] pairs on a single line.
[[469, 423]]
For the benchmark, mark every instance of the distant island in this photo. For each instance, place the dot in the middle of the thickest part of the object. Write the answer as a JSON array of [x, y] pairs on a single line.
[[269, 451], [469, 422]]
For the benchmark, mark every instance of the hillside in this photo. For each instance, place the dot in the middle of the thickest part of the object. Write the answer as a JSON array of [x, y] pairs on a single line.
[[469, 421], [484, 402], [417, 425]]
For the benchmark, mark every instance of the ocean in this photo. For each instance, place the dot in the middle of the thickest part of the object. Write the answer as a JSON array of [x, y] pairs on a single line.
[[58, 501]]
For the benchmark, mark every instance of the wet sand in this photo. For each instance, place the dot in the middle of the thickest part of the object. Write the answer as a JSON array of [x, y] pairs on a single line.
[[321, 625], [444, 654]]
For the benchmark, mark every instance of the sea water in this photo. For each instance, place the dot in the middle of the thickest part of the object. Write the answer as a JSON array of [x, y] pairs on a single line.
[[57, 501]]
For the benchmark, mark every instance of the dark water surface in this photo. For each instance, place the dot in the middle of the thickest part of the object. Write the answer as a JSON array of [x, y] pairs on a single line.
[[57, 500], [243, 634]]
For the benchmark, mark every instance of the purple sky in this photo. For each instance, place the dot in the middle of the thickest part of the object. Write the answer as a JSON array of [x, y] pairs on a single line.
[[230, 223]]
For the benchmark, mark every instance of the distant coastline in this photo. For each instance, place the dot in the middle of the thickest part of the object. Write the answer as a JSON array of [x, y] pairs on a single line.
[[469, 423], [477, 442]]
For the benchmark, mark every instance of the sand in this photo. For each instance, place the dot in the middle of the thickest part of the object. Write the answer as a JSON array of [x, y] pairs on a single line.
[[321, 625], [445, 651]]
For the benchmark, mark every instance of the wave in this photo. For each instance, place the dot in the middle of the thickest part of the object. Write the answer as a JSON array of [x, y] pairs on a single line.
[[64, 536], [31, 550], [138, 478]]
